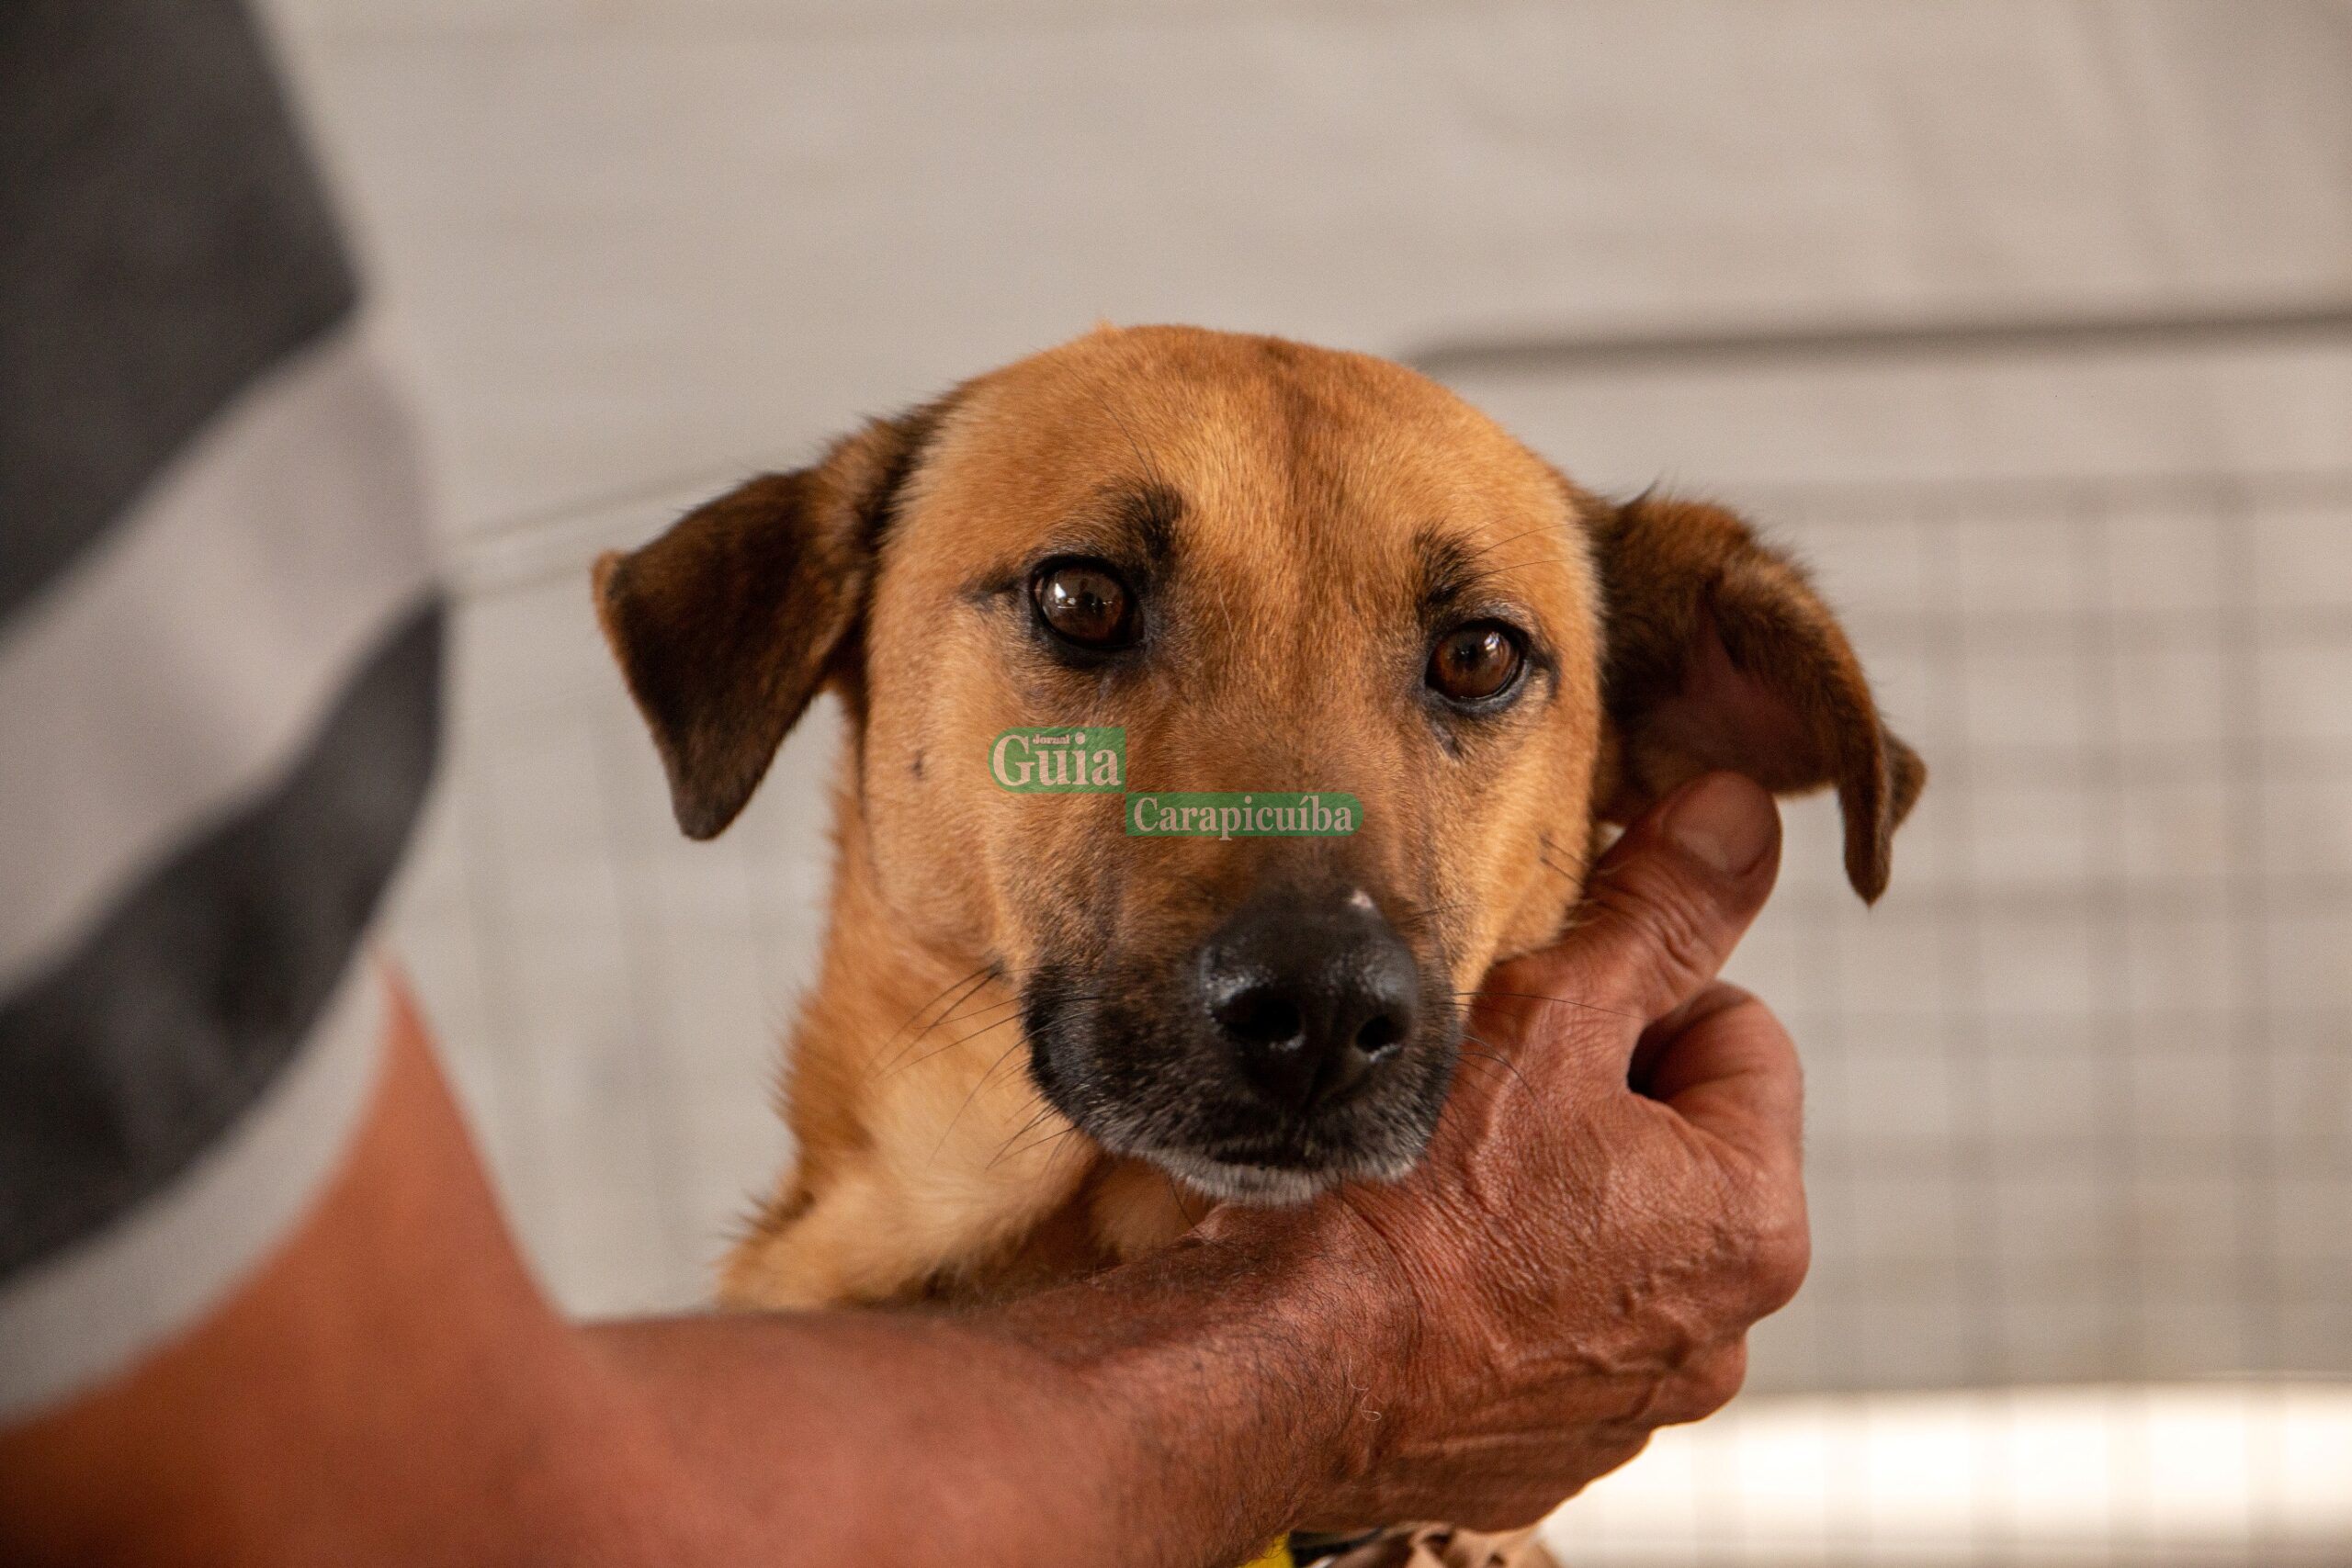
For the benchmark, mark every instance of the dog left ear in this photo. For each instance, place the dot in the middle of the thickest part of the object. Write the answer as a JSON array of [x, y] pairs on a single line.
[[1721, 655], [727, 625]]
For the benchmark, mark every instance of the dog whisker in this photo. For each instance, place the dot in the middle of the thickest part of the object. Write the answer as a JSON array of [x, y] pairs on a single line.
[[1176, 1194], [967, 1015], [1547, 848], [1062, 1143], [961, 1039], [1473, 579], [1050, 1138], [1014, 1002], [1044, 1111], [1501, 1061], [1414, 917], [1002, 1057], [1488, 549], [962, 986], [970, 1095], [1471, 1058], [964, 989], [1557, 1001]]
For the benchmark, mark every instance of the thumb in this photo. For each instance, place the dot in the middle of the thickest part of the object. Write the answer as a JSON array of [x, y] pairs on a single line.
[[1671, 898]]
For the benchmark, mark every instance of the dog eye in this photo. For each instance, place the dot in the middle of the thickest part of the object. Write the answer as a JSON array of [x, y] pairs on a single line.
[[1474, 663], [1083, 601]]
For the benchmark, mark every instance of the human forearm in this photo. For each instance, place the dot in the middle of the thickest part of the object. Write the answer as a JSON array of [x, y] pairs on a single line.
[[1183, 1410], [391, 1389]]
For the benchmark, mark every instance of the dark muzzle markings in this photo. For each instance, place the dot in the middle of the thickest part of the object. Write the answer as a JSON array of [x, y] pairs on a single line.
[[1290, 1037]]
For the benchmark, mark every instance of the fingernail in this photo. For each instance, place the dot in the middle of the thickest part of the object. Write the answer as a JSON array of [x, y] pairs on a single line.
[[1724, 821]]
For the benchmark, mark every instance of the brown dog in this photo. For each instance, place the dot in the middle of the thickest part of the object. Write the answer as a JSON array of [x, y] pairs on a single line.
[[1041, 1042]]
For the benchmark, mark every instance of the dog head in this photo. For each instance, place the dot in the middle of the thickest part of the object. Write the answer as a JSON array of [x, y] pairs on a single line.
[[1276, 569]]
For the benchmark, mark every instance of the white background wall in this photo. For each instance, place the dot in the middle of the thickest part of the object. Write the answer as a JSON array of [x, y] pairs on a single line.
[[631, 239], [635, 250]]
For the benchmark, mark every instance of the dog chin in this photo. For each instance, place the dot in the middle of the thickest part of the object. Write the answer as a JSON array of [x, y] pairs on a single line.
[[1266, 1186]]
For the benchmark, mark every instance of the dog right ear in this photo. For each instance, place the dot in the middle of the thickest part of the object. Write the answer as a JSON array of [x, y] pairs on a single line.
[[1721, 655], [727, 625]]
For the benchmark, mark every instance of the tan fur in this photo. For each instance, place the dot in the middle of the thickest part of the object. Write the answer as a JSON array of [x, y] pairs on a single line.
[[927, 1162]]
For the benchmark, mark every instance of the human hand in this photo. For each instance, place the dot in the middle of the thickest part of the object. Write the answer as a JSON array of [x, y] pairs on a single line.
[[1613, 1198]]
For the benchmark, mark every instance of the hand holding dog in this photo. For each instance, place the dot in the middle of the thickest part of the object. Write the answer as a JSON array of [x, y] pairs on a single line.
[[1575, 1263], [1612, 1200]]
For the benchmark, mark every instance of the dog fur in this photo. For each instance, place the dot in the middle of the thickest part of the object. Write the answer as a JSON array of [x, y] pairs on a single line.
[[985, 1084]]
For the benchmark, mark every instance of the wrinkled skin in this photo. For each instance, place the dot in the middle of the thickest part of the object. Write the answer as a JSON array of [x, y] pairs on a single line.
[[1599, 1222]]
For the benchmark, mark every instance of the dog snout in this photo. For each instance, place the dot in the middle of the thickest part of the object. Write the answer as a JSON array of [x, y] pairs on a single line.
[[1311, 1000]]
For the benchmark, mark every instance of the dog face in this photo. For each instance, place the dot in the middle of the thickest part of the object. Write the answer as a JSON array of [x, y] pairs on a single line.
[[1277, 570]]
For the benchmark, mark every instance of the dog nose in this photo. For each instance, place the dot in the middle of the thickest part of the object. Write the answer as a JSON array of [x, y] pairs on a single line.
[[1310, 999]]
